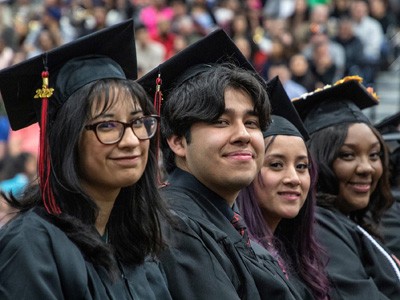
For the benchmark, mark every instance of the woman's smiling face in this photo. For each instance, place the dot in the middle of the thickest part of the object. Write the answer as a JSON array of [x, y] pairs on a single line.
[[358, 168], [284, 180], [117, 165]]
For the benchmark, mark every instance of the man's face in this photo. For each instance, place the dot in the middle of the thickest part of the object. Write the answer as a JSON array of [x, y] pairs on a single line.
[[226, 155]]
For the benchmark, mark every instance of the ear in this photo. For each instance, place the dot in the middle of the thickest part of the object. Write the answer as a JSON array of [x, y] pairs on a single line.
[[177, 145]]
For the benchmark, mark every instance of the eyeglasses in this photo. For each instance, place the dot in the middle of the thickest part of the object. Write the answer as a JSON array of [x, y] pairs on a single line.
[[111, 132]]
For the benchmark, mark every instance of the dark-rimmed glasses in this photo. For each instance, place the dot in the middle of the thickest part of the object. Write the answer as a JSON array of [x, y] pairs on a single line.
[[111, 132]]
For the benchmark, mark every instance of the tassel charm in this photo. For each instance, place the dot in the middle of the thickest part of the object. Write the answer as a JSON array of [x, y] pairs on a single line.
[[45, 91]]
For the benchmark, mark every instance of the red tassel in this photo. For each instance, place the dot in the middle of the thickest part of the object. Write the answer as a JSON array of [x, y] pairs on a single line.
[[44, 162], [158, 98], [158, 95]]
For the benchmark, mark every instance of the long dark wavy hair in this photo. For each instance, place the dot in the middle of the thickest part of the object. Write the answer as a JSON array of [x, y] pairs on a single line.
[[133, 226], [201, 99], [294, 239], [325, 146], [395, 168]]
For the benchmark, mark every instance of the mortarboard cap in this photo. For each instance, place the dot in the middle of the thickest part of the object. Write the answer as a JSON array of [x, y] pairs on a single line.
[[216, 47], [108, 53], [389, 123], [392, 136], [18, 83], [335, 104], [285, 119], [389, 127]]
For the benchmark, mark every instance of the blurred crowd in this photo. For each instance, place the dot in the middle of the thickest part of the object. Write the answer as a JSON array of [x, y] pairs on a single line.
[[308, 43]]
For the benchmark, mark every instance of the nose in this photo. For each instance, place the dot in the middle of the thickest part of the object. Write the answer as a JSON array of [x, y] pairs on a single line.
[[241, 134], [291, 177], [364, 166], [129, 139]]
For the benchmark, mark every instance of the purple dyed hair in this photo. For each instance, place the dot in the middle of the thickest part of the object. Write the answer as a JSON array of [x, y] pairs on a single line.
[[294, 239]]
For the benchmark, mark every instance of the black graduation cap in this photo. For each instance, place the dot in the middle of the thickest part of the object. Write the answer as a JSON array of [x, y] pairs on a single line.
[[389, 123], [391, 136], [34, 89], [335, 104], [217, 47], [388, 127], [285, 119], [19, 83]]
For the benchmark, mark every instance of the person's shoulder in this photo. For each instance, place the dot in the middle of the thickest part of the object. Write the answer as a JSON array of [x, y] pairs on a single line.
[[171, 192], [336, 232], [374, 24], [180, 200], [322, 212], [180, 222], [30, 244], [333, 219], [30, 231], [27, 222], [190, 228], [261, 252]]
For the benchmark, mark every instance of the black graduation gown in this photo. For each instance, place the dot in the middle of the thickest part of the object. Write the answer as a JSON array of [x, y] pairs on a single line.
[[357, 268], [390, 226], [296, 283], [38, 261], [207, 258]]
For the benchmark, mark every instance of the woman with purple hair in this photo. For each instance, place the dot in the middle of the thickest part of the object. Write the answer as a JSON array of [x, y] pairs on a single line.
[[278, 206]]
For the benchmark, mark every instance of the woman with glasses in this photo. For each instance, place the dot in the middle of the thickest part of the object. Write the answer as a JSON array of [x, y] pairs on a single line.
[[90, 230]]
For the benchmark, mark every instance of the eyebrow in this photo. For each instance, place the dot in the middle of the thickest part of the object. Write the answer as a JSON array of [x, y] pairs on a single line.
[[108, 114], [278, 155], [250, 112], [356, 144]]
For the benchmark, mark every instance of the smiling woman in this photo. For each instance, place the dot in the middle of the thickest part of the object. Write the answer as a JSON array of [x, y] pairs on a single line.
[[353, 189], [358, 168], [90, 230], [114, 157], [286, 161], [278, 206]]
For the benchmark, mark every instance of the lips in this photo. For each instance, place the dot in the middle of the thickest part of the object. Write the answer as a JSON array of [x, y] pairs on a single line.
[[361, 187], [240, 155], [125, 157], [126, 161], [290, 195]]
